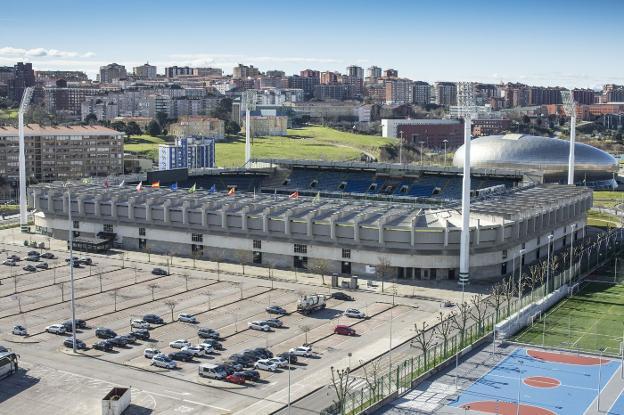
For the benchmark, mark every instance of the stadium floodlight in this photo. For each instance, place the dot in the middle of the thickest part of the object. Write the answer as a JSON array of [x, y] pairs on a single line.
[[24, 104], [570, 108], [249, 100]]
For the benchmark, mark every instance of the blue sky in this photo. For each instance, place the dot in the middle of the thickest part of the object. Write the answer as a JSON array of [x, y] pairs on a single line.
[[547, 42]]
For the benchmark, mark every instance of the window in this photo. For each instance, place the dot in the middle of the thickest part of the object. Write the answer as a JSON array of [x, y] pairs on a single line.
[[257, 244], [257, 257], [76, 224], [108, 227], [300, 262], [523, 245], [197, 237], [301, 249], [142, 243], [197, 250], [346, 253], [504, 254], [141, 231]]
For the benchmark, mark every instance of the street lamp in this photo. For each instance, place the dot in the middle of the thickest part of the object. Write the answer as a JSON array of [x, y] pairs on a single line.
[[445, 143], [522, 251], [572, 235], [401, 148], [550, 238], [421, 152], [289, 382], [70, 227]]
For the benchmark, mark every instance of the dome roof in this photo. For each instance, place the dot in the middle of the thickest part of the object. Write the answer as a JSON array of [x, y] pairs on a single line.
[[530, 152]]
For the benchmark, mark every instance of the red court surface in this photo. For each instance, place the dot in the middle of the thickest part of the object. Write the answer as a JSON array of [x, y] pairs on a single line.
[[505, 408], [565, 358], [541, 382]]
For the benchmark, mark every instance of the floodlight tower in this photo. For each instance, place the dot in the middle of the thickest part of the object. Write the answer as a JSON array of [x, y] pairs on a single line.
[[249, 98], [24, 104], [466, 104], [570, 108]]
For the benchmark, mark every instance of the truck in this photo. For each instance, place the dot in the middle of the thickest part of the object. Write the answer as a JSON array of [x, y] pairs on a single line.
[[116, 401], [310, 303]]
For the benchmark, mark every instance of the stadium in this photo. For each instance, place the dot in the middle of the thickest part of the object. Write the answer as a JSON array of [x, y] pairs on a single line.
[[351, 219]]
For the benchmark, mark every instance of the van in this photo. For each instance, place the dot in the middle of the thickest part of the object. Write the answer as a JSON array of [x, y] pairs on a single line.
[[212, 371]]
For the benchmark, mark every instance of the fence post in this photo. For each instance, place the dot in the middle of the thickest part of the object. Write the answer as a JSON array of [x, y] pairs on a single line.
[[411, 369]]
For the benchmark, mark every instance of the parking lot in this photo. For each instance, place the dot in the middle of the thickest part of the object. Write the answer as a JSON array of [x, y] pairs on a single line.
[[111, 292]]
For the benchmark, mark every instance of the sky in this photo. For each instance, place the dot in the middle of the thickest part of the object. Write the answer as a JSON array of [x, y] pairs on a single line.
[[571, 43]]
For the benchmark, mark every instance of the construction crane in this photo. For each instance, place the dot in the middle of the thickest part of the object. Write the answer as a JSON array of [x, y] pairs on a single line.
[[249, 98], [24, 104], [569, 107]]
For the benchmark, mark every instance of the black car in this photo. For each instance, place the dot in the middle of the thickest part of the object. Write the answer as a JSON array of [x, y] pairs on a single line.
[[181, 356], [14, 258], [80, 324], [103, 345], [153, 319], [140, 334], [79, 343], [215, 344], [252, 354], [33, 253], [160, 271], [275, 309], [128, 338], [48, 255], [32, 258], [76, 259], [266, 353], [252, 375], [206, 333], [231, 367], [42, 265], [29, 268], [120, 341], [286, 355], [104, 333], [245, 361], [86, 261], [342, 296]]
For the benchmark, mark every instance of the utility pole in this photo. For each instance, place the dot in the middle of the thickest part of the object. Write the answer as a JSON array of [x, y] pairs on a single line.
[[401, 148], [421, 152], [445, 143]]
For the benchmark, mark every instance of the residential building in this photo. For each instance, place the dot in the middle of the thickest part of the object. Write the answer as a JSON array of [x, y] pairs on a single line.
[[50, 77], [612, 93], [399, 91], [331, 91], [323, 111], [584, 96], [208, 72], [516, 95], [431, 132], [61, 152], [244, 72], [304, 83], [376, 92], [269, 125], [187, 152], [112, 73], [310, 73], [145, 71], [62, 100], [329, 77], [176, 71], [446, 93], [275, 74], [390, 73], [23, 77], [200, 126], [373, 73], [491, 126], [355, 71], [422, 93], [544, 95]]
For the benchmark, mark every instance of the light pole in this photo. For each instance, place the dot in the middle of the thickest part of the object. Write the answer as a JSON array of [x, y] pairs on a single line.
[[550, 238], [289, 382], [572, 235], [445, 143], [70, 227], [522, 251], [401, 147], [421, 152], [602, 349]]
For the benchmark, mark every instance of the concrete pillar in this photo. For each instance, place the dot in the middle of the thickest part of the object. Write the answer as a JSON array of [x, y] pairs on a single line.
[[224, 223], [97, 207], [356, 230], [148, 210], [332, 228], [35, 199], [446, 233], [51, 201], [80, 204], [265, 220], [114, 207], [204, 215], [185, 207], [413, 231], [478, 230], [310, 225], [501, 233], [131, 208], [166, 211], [244, 218], [382, 222]]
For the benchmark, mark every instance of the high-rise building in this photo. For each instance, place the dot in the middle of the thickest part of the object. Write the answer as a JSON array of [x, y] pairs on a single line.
[[310, 73], [244, 72], [355, 72], [422, 93], [145, 71], [328, 77], [391, 73], [516, 95], [373, 73], [446, 93], [331, 91], [612, 93], [399, 91], [112, 72], [175, 71], [23, 77], [307, 84], [50, 77], [584, 96], [208, 72], [187, 152], [275, 74], [544, 95]]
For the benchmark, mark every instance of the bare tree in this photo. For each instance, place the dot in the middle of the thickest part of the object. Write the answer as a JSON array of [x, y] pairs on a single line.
[[342, 383], [114, 292], [101, 284], [153, 287], [242, 257], [149, 254], [509, 292], [423, 339], [319, 266], [383, 269], [195, 254], [61, 285], [460, 321], [478, 312], [372, 374], [305, 329], [186, 277], [444, 328], [496, 298], [534, 278], [172, 305], [15, 284], [208, 296]]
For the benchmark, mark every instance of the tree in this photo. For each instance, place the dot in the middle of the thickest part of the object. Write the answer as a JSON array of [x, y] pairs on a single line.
[[444, 327], [509, 292], [372, 374], [153, 128], [132, 128], [478, 311], [534, 272], [423, 339], [114, 292], [161, 118], [460, 321], [119, 126], [383, 268], [172, 305], [186, 280], [242, 257], [223, 110], [305, 329], [153, 287], [61, 285], [496, 298], [231, 127], [342, 383], [319, 266], [90, 119]]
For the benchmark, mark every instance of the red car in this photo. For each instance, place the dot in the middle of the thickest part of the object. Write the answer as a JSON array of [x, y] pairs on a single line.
[[344, 330], [238, 380]]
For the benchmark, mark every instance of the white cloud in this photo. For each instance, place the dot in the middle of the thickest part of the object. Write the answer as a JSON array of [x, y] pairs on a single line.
[[11, 52]]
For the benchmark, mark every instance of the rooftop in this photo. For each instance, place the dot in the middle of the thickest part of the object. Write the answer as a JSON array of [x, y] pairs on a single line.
[[32, 130]]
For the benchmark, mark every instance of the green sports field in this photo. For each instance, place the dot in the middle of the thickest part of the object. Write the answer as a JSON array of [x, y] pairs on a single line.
[[590, 320]]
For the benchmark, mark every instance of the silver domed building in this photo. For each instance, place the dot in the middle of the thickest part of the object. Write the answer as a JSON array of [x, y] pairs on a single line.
[[543, 155]]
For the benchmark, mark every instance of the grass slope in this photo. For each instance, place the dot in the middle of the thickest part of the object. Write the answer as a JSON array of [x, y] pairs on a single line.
[[143, 145]]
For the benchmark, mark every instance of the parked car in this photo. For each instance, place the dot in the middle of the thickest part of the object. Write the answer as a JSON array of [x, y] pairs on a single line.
[[354, 313], [344, 330], [29, 268], [264, 352], [48, 255], [32, 258], [212, 343], [209, 370], [244, 361], [150, 352], [14, 258], [180, 343], [140, 334], [160, 271], [70, 341], [162, 360], [130, 338], [265, 364], [103, 345], [289, 356], [9, 262], [80, 324], [236, 379], [42, 265], [206, 333], [187, 318], [275, 309], [104, 333], [279, 361], [342, 296], [181, 356], [207, 347], [153, 319], [76, 259], [230, 367], [252, 354], [252, 375], [56, 329], [258, 325], [19, 330], [120, 341], [86, 260], [301, 351], [140, 324], [33, 253], [196, 351], [274, 322]]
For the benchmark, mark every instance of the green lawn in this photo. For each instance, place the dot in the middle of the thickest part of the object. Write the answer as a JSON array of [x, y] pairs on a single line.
[[590, 320], [8, 114], [608, 199], [602, 220], [144, 145]]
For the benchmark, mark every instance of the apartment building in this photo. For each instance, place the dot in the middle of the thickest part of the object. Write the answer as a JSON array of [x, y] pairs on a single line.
[[198, 126], [399, 91], [145, 71], [112, 72], [446, 93], [244, 71], [422, 93], [187, 152]]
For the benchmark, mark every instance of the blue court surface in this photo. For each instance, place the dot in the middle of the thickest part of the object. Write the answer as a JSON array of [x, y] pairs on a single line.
[[544, 383], [618, 406]]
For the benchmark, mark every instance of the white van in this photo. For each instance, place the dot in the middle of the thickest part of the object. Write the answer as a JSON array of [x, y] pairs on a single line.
[[212, 371]]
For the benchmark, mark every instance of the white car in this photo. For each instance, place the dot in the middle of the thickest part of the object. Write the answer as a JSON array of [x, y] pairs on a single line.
[[180, 343], [187, 318], [265, 364], [301, 351], [354, 312], [56, 329], [196, 351], [279, 361], [150, 352], [140, 324], [161, 360], [207, 347], [19, 330], [258, 325]]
